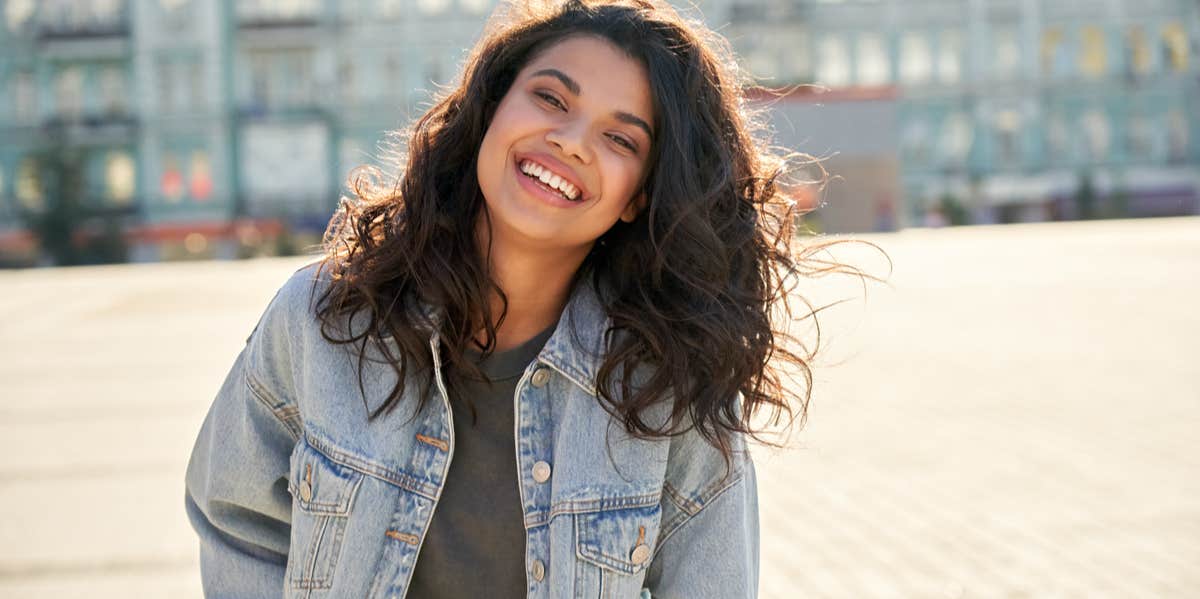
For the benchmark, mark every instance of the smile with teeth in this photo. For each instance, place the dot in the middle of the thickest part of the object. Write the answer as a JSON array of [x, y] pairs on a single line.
[[550, 180]]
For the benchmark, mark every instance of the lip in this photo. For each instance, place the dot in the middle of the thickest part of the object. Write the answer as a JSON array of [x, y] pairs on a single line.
[[560, 169]]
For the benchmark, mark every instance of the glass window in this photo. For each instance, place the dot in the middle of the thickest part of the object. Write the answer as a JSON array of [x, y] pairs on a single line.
[[28, 185], [170, 184], [1008, 131], [112, 89], [872, 63], [916, 62], [1097, 132], [200, 184], [1055, 60], [1175, 46], [17, 13], [956, 138], [1007, 58], [68, 92], [950, 51], [432, 7], [119, 177], [477, 7], [24, 97], [914, 141], [1177, 136], [833, 65], [1093, 60], [1138, 49]]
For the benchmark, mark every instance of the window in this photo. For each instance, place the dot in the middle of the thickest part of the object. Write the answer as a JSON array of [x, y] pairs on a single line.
[[914, 141], [1093, 60], [833, 65], [915, 60], [119, 178], [24, 97], [1096, 131], [432, 7], [200, 178], [1008, 131], [1177, 136], [1058, 144], [873, 68], [1175, 47], [950, 50], [1007, 53], [17, 13], [477, 7], [1139, 138], [68, 92], [954, 144], [1054, 53], [1138, 51], [112, 89], [170, 184], [28, 185]]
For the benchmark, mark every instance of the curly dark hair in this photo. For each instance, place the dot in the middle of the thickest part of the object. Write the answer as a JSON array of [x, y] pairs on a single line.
[[690, 285]]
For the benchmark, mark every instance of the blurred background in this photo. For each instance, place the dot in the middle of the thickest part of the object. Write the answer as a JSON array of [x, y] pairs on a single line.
[[151, 130], [1013, 415]]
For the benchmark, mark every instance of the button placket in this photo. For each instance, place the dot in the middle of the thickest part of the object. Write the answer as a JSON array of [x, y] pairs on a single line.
[[538, 569]]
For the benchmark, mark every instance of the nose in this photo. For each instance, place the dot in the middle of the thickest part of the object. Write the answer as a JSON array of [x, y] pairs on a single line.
[[571, 140]]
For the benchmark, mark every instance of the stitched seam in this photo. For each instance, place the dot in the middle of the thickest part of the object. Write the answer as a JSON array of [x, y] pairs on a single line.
[[684, 504], [542, 517], [572, 374], [282, 411], [666, 534]]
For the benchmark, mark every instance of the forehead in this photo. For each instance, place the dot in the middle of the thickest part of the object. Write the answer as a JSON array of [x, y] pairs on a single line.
[[606, 75]]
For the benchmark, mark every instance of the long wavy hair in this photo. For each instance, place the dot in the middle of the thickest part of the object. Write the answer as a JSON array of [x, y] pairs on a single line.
[[691, 285]]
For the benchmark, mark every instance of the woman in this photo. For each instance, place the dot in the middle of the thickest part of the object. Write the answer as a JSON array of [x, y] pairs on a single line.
[[528, 368]]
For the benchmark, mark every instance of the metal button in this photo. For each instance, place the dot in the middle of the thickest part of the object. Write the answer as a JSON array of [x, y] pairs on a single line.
[[640, 554], [541, 471], [305, 491], [539, 570], [540, 377]]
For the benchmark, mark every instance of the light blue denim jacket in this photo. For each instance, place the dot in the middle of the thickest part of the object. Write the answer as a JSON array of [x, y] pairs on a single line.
[[294, 493]]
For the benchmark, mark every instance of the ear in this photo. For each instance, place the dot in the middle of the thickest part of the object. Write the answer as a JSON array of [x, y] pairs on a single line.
[[635, 206]]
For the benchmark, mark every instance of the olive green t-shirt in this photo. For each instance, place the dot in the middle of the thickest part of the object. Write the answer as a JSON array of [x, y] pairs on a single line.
[[475, 546]]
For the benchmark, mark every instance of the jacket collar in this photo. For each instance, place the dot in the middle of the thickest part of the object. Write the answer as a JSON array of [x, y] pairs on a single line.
[[576, 349]]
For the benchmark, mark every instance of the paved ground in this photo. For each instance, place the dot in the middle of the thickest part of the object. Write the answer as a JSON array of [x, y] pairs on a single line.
[[1016, 416]]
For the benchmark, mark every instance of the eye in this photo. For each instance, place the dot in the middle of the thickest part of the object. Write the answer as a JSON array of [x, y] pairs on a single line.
[[624, 142], [551, 100]]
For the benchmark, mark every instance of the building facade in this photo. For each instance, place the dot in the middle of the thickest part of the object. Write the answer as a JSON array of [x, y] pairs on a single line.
[[204, 126]]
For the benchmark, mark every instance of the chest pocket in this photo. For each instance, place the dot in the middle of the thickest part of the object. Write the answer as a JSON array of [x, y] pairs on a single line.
[[322, 496], [614, 549]]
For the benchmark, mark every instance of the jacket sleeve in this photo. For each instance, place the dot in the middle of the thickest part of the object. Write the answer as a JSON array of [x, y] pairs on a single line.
[[708, 546], [236, 485]]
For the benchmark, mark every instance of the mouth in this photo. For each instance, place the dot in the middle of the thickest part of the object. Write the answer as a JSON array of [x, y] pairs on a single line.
[[546, 180]]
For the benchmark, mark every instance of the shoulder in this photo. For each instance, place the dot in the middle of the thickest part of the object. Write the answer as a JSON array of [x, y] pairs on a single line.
[[285, 321]]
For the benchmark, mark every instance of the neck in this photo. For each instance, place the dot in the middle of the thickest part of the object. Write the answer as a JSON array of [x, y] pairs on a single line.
[[537, 284]]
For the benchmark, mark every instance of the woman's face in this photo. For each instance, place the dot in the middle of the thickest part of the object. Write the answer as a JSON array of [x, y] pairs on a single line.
[[580, 115]]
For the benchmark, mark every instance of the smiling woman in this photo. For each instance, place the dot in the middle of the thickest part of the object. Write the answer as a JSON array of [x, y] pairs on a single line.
[[530, 359]]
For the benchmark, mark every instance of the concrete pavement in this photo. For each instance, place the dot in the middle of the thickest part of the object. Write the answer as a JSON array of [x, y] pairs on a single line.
[[1015, 416]]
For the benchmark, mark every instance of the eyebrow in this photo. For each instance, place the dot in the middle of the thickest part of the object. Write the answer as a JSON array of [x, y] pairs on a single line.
[[573, 87]]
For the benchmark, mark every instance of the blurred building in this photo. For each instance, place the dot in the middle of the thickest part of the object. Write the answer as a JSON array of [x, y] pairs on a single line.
[[1006, 110], [205, 127]]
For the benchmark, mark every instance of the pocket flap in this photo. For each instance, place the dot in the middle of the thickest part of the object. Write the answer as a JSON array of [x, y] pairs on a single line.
[[622, 540], [320, 485]]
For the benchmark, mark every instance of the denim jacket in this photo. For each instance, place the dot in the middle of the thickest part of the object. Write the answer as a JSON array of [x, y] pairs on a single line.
[[295, 493]]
